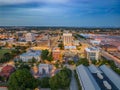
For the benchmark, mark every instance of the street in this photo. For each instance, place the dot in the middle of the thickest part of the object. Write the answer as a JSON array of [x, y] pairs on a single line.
[[111, 57], [73, 84]]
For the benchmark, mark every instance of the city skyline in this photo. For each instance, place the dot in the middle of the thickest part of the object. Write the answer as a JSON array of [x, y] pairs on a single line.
[[77, 13]]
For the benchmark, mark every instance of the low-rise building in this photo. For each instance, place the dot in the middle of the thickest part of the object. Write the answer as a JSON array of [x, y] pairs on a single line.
[[97, 78], [7, 71], [112, 76], [56, 53], [95, 42], [109, 48], [86, 79], [44, 69], [25, 57]]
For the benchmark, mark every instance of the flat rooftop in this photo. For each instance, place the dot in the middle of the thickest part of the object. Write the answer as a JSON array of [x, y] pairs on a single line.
[[91, 49]]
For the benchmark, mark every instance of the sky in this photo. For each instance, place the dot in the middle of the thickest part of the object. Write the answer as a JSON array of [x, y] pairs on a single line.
[[73, 13]]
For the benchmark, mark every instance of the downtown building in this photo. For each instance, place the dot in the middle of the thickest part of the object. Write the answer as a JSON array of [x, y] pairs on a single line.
[[30, 54], [29, 37], [92, 53], [67, 39], [56, 53]]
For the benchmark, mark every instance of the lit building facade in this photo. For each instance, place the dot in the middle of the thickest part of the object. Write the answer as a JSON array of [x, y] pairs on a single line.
[[92, 53], [67, 39], [29, 37], [56, 53]]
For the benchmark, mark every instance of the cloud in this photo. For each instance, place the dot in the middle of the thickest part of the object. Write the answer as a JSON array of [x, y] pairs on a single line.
[[11, 2]]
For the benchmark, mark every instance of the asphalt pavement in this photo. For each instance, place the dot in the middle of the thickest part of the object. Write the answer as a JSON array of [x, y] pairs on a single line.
[[73, 84]]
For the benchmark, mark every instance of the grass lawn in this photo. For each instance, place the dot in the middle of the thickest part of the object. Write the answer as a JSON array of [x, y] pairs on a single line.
[[2, 51]]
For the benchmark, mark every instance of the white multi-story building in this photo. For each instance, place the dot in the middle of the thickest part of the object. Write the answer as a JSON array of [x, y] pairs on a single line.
[[29, 37], [92, 53], [67, 39]]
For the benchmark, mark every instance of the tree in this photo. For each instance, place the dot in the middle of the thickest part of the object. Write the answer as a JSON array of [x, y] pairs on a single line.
[[61, 46], [22, 80], [15, 52], [54, 85], [2, 78], [33, 60], [83, 61], [94, 61], [61, 79], [24, 66], [71, 62], [49, 57], [6, 57], [44, 82], [44, 54]]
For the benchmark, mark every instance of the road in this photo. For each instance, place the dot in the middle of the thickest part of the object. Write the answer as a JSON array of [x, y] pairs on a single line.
[[111, 57], [73, 84]]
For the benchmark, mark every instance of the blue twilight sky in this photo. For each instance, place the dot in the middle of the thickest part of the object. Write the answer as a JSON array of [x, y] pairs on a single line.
[[80, 13]]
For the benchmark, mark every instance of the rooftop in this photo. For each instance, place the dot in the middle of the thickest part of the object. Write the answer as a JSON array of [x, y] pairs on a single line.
[[115, 78], [86, 78], [100, 78], [94, 69], [94, 78], [92, 49], [43, 65], [7, 70], [32, 53]]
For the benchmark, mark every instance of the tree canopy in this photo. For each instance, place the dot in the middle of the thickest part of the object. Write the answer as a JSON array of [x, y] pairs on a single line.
[[44, 54], [44, 82], [22, 80], [61, 79], [83, 61], [6, 57], [61, 46]]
